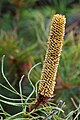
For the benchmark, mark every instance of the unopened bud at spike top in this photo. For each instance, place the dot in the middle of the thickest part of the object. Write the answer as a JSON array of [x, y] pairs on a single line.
[[50, 66]]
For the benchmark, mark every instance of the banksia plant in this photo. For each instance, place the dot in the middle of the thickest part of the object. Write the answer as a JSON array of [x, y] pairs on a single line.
[[50, 66]]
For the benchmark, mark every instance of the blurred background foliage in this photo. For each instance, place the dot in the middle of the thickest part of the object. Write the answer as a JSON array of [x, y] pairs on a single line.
[[24, 29]]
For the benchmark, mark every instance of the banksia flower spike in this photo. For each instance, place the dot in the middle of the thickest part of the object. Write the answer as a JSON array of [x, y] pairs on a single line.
[[52, 57], [50, 66]]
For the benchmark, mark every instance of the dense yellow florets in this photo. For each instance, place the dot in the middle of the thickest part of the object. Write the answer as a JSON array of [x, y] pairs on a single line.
[[50, 66]]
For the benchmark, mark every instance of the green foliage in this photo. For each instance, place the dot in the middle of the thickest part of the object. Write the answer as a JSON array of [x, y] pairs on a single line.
[[23, 40], [69, 65], [61, 5], [13, 48]]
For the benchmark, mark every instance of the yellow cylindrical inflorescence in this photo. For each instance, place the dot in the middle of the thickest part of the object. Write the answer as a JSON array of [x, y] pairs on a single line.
[[50, 66]]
